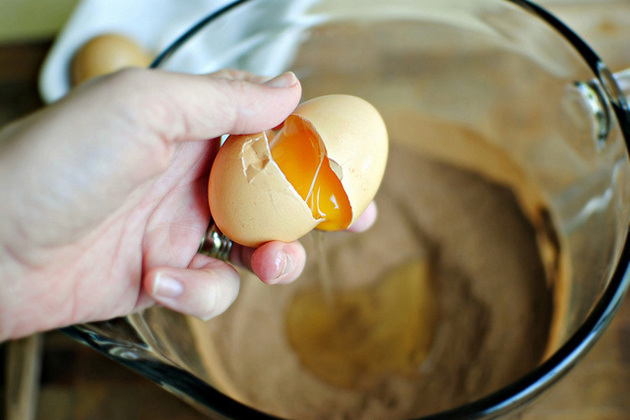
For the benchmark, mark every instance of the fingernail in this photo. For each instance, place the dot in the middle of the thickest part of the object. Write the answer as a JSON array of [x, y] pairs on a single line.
[[167, 287], [285, 80], [284, 263]]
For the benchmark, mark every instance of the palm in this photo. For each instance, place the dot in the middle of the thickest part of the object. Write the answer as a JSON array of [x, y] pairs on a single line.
[[159, 223]]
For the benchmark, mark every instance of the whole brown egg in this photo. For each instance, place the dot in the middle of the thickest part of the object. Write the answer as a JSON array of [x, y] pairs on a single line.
[[105, 54]]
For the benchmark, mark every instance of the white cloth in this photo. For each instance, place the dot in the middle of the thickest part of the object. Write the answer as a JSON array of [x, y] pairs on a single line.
[[154, 24]]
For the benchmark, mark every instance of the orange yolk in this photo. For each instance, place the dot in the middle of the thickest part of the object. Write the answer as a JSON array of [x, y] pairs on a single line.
[[302, 159]]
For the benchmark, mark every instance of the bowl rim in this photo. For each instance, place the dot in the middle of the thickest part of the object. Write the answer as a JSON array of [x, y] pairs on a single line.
[[531, 385]]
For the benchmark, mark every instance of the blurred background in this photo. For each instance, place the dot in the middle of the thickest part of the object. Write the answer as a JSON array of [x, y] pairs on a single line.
[[25, 20], [76, 383]]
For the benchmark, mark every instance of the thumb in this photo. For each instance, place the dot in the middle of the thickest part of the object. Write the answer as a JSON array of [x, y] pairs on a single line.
[[180, 107], [204, 290]]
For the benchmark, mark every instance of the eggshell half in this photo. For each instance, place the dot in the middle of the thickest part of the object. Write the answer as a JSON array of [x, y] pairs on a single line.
[[251, 200], [355, 137]]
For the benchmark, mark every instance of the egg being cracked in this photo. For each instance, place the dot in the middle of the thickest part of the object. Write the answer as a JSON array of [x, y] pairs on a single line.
[[320, 169]]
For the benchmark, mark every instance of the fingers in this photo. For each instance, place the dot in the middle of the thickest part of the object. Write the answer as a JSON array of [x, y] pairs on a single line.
[[274, 262], [366, 220], [181, 107], [279, 263], [208, 286], [204, 290], [249, 105]]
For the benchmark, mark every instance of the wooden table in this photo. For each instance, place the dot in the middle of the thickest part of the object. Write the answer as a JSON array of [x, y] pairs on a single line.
[[80, 384]]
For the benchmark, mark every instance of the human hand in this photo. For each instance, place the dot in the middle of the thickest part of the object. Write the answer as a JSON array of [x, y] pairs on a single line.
[[104, 199]]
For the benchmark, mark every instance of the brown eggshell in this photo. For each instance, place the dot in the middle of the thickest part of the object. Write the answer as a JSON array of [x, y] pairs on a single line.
[[251, 200], [105, 54], [355, 137]]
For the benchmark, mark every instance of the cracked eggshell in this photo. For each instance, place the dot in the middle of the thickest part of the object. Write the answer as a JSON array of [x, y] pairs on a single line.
[[251, 200], [105, 54], [355, 137]]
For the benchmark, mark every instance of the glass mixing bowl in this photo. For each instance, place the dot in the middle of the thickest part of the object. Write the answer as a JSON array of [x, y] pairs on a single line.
[[508, 185]]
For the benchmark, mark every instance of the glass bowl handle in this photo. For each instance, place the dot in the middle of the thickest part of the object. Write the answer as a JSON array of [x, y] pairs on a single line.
[[623, 81]]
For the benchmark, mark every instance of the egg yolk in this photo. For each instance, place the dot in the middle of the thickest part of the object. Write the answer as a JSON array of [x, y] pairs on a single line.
[[302, 158]]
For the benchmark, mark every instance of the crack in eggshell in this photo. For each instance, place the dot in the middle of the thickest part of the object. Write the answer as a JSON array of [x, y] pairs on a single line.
[[255, 156], [294, 124], [253, 201], [355, 137], [336, 168], [256, 159]]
